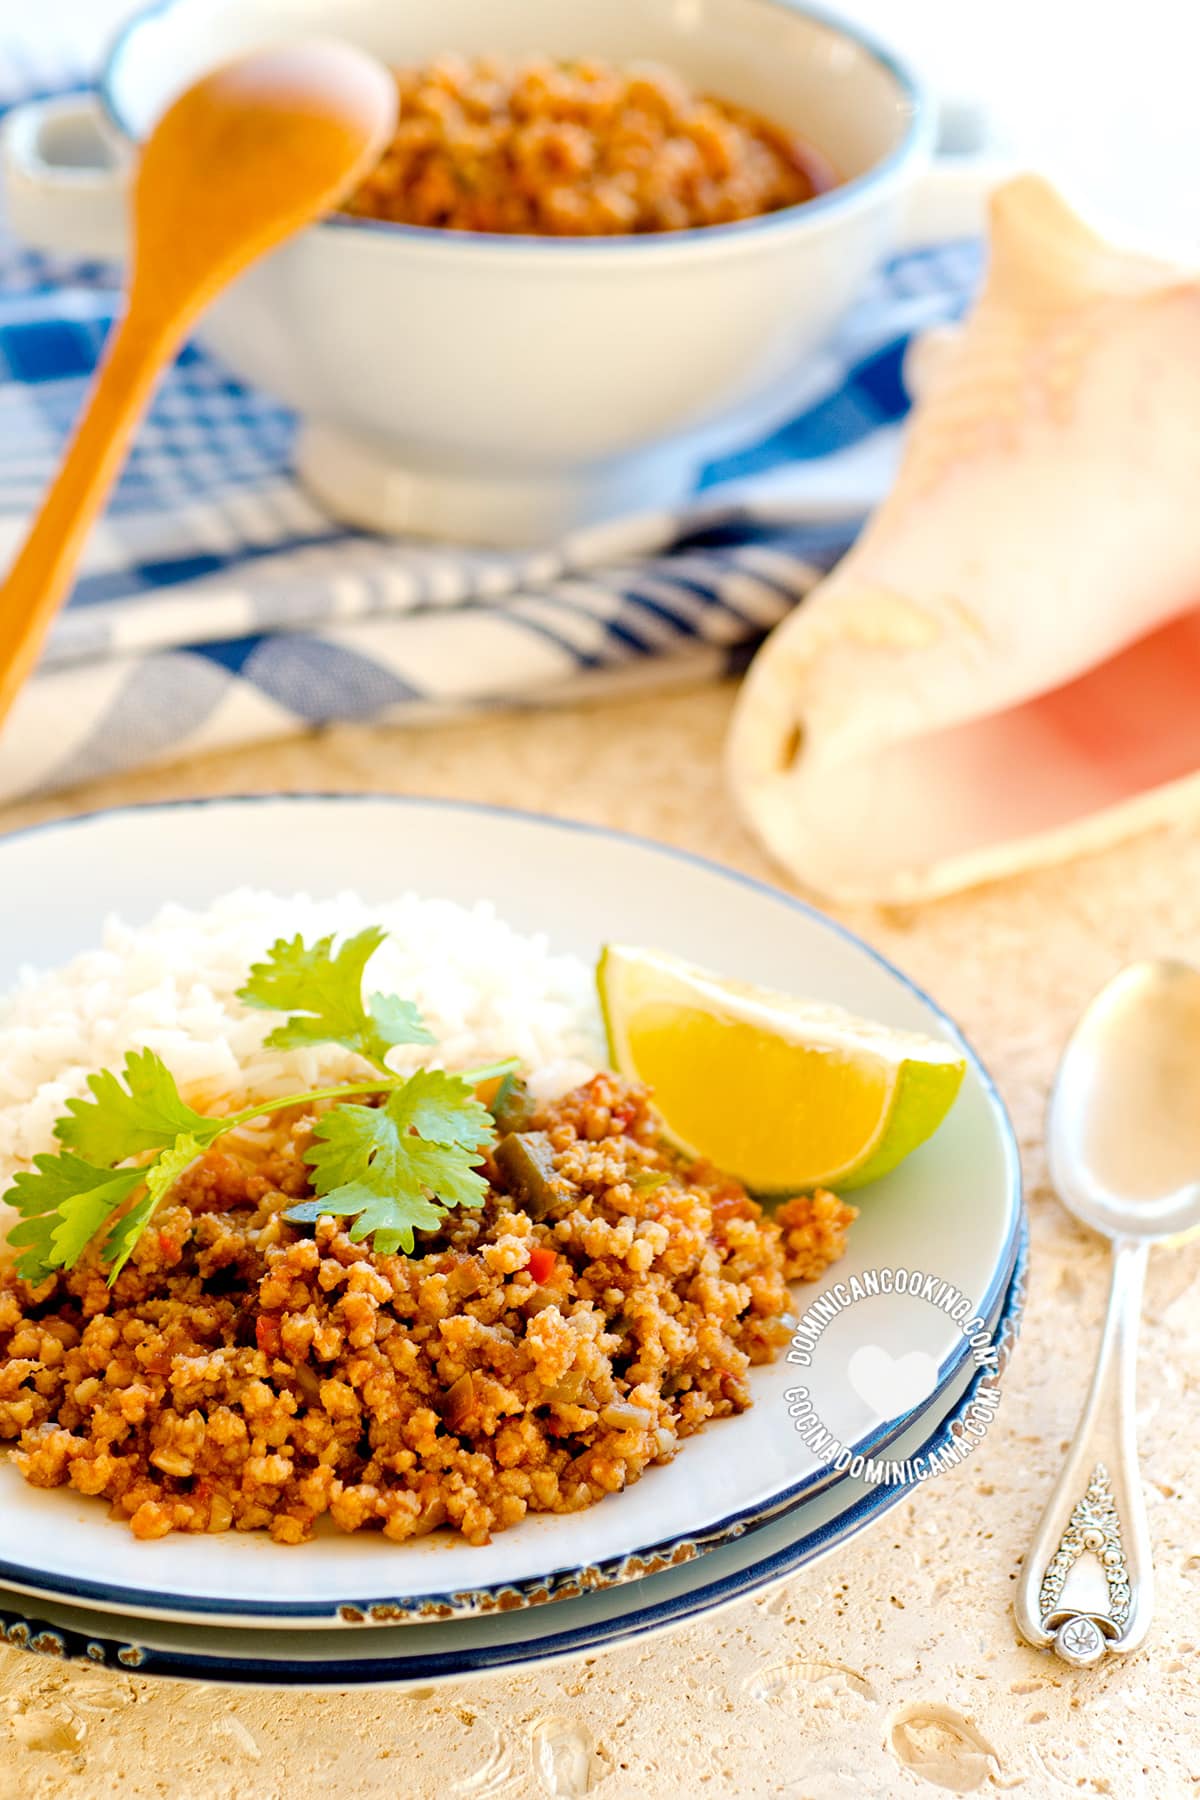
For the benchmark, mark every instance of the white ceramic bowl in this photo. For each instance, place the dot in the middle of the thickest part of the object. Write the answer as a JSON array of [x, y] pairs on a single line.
[[504, 388]]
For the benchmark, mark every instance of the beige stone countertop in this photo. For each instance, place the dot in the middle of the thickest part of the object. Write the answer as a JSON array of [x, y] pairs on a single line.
[[894, 1667]]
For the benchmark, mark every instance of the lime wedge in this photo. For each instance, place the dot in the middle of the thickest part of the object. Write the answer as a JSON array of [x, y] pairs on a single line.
[[784, 1093]]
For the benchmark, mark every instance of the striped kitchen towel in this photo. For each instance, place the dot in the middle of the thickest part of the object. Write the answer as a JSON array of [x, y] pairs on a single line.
[[217, 605]]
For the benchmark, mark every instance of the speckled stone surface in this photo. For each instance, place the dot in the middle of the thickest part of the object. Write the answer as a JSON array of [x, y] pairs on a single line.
[[892, 1669]]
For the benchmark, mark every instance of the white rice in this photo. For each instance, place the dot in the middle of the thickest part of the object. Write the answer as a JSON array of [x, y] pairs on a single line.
[[485, 991]]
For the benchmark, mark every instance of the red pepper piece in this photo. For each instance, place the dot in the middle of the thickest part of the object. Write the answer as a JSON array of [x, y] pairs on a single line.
[[542, 1264], [266, 1332]]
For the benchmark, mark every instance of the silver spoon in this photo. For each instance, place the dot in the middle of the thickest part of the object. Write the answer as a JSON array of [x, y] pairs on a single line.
[[1123, 1145]]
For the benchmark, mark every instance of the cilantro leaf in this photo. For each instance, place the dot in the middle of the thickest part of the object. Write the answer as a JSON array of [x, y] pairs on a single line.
[[323, 991], [63, 1202], [397, 1168], [442, 1108], [160, 1178], [122, 1121]]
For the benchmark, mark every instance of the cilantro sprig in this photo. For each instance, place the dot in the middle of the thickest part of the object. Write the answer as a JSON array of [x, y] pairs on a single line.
[[393, 1168], [323, 991]]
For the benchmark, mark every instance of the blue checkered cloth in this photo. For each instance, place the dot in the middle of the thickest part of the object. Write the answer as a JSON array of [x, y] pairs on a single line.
[[217, 605]]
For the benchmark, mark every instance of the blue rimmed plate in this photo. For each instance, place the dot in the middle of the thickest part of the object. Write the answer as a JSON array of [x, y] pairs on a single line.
[[509, 1643], [951, 1212]]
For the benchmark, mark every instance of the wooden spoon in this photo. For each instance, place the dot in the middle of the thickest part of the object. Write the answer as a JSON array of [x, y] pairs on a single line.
[[250, 154]]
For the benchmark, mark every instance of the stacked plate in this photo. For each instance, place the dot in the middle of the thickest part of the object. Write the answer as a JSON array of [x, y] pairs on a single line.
[[901, 1356]]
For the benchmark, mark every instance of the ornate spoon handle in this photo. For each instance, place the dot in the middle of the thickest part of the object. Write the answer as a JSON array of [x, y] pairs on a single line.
[[1097, 1506]]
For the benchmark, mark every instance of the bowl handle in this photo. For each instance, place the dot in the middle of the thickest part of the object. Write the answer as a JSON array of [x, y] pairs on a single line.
[[65, 181], [950, 200]]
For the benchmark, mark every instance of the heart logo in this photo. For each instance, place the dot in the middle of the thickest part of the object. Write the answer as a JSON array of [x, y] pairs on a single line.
[[891, 1385]]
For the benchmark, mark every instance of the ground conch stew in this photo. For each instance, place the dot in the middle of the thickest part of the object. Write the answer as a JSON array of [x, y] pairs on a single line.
[[579, 149], [607, 1300]]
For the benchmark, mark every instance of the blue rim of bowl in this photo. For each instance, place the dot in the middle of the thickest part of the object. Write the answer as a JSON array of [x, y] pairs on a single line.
[[918, 138], [566, 1583], [659, 1614]]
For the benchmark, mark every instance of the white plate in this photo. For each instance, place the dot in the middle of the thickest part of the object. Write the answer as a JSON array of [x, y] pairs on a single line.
[[951, 1211], [511, 1642]]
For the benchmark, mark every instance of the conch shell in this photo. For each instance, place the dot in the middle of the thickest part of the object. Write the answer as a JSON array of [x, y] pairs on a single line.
[[1005, 669]]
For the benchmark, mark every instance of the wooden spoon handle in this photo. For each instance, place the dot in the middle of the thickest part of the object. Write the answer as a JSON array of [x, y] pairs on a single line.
[[38, 581]]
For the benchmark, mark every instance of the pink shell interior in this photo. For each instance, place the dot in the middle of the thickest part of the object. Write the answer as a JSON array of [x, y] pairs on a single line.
[[1127, 726]]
